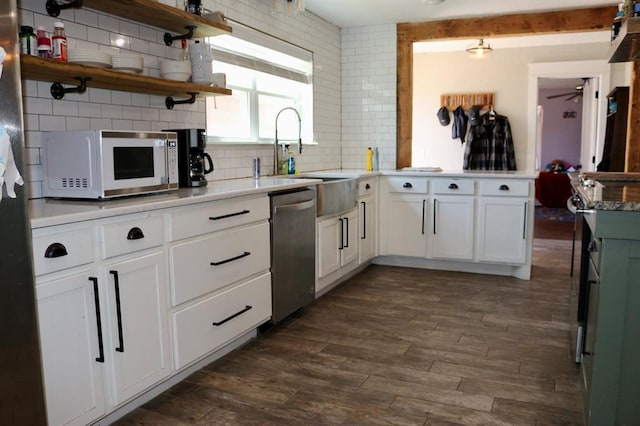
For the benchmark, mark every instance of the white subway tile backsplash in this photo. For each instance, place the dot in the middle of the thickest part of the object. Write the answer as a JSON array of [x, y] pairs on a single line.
[[77, 123], [51, 122]]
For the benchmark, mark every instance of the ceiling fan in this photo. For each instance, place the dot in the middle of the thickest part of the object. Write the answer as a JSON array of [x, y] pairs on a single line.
[[576, 94]]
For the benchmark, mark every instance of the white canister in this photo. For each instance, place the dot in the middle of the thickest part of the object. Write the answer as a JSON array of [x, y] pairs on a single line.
[[201, 63], [220, 79]]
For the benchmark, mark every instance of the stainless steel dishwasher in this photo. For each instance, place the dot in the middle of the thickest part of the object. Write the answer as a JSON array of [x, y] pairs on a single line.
[[293, 251]]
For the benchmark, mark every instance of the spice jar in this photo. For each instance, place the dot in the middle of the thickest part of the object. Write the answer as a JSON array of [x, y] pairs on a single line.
[[28, 42]]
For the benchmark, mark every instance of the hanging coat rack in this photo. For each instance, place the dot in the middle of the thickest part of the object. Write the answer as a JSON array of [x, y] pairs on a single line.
[[467, 100]]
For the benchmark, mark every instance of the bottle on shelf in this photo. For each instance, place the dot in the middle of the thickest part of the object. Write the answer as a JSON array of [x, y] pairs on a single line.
[[636, 8], [201, 63], [44, 43], [28, 41], [59, 42], [369, 166]]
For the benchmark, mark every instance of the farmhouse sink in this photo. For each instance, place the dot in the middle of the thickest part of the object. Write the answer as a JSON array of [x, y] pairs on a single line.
[[336, 195]]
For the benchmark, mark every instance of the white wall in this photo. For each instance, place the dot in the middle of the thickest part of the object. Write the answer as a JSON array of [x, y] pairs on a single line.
[[122, 110], [368, 95], [503, 72]]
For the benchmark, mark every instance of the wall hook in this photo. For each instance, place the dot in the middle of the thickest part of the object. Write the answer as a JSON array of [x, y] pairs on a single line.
[[170, 102], [58, 90], [168, 38], [54, 8]]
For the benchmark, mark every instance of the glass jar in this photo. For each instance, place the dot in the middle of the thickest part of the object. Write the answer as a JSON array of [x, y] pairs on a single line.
[[28, 41]]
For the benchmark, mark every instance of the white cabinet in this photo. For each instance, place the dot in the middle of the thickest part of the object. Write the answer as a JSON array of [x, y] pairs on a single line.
[[452, 221], [504, 221], [337, 242], [137, 303], [473, 224], [72, 348], [103, 326], [368, 219], [219, 259], [406, 210], [502, 230]]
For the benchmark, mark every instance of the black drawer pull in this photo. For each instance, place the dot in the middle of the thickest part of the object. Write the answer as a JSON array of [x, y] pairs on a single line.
[[55, 250], [407, 185], [135, 233], [453, 186], [229, 318], [224, 216], [367, 186], [503, 187], [96, 300], [116, 285], [231, 259]]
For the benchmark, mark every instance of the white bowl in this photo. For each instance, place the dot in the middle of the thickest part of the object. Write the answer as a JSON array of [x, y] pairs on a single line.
[[168, 66], [178, 76]]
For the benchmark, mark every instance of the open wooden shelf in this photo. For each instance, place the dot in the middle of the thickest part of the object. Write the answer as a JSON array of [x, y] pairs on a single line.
[[156, 14], [35, 68], [626, 46]]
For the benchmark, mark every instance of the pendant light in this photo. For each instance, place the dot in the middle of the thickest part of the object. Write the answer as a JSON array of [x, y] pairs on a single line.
[[479, 50], [288, 8]]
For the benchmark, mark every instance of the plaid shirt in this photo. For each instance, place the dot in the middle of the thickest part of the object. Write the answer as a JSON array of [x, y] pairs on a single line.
[[490, 145]]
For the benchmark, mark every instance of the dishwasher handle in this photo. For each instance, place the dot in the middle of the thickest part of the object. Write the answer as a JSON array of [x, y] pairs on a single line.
[[296, 206]]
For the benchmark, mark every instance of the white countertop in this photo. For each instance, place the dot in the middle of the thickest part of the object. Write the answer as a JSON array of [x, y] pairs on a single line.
[[50, 212], [45, 212]]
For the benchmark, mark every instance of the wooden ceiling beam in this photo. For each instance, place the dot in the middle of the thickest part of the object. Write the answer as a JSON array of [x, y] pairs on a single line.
[[561, 21]]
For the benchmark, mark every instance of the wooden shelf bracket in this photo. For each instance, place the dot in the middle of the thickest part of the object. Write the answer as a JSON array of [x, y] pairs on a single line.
[[53, 7], [168, 38], [58, 90], [170, 102]]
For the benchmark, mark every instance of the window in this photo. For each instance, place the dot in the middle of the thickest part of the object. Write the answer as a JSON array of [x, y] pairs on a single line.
[[265, 75]]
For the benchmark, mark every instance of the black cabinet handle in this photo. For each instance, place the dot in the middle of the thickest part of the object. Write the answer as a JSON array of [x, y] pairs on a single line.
[[231, 259], [135, 233], [424, 207], [364, 220], [453, 186], [435, 208], [96, 300], [55, 250], [346, 221], [407, 185], [341, 234], [224, 216], [524, 222], [116, 285], [367, 186], [503, 187], [592, 247], [229, 318]]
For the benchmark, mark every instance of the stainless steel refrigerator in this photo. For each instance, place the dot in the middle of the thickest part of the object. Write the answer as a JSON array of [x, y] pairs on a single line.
[[21, 388]]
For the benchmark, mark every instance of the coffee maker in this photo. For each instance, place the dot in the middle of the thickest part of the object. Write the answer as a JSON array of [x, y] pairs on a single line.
[[193, 162]]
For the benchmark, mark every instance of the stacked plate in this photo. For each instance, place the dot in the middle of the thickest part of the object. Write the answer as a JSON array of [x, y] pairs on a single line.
[[89, 57], [127, 62]]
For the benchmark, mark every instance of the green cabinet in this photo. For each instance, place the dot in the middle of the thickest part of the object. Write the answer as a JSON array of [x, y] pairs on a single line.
[[610, 377]]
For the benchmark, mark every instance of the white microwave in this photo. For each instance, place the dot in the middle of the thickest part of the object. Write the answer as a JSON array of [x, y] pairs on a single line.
[[98, 164]]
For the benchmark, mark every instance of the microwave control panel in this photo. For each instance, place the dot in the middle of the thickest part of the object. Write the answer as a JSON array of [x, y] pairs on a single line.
[[172, 160]]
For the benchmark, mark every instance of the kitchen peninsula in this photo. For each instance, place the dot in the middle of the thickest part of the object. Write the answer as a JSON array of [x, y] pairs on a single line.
[[610, 205]]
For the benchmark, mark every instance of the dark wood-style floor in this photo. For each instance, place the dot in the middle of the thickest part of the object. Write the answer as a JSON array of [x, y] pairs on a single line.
[[401, 346]]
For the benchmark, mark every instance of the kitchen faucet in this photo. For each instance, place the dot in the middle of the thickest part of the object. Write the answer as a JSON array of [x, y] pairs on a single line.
[[284, 147]]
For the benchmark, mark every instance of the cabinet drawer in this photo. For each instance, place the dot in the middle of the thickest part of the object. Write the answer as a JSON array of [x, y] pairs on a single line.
[[131, 236], [408, 184], [367, 187], [237, 253], [453, 186], [217, 215], [62, 250], [506, 187], [209, 324]]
